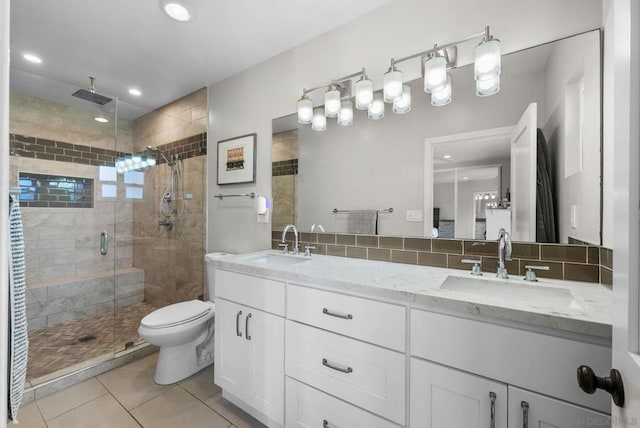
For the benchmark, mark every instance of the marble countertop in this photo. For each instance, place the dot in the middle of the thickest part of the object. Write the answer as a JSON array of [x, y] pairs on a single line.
[[577, 307]]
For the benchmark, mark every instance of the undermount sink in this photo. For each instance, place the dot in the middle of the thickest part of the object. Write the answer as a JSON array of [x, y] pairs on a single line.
[[279, 259], [506, 291]]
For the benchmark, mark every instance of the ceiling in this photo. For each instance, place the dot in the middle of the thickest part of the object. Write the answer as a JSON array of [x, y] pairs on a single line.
[[125, 43]]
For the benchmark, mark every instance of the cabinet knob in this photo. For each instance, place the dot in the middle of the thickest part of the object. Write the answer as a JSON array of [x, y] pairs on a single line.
[[589, 383]]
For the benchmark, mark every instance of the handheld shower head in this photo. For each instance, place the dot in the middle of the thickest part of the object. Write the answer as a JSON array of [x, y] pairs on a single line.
[[156, 150]]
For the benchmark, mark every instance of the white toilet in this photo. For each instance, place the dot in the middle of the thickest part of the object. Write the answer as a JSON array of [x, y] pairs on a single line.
[[184, 333]]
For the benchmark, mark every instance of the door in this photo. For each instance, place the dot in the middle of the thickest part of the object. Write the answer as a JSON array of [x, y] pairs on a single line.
[[442, 397], [623, 23], [264, 342], [527, 409], [230, 349], [523, 176]]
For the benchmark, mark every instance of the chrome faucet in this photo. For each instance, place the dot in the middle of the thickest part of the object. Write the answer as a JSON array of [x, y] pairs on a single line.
[[504, 253], [317, 226], [295, 235]]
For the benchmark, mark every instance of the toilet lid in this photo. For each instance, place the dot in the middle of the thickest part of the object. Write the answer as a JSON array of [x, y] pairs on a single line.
[[176, 314]]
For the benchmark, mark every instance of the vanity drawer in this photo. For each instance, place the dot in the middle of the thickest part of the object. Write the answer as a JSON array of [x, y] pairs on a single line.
[[376, 322], [365, 375], [534, 361], [309, 408], [253, 291]]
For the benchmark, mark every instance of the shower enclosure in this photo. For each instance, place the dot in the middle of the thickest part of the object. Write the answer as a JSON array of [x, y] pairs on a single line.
[[99, 255]]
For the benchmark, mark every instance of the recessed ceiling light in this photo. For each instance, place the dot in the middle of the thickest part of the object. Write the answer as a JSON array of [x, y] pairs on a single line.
[[465, 178], [447, 156], [101, 119], [135, 92], [32, 58], [177, 10]]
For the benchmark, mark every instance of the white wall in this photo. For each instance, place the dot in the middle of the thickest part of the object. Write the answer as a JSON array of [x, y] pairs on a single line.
[[4, 195], [247, 102], [577, 59]]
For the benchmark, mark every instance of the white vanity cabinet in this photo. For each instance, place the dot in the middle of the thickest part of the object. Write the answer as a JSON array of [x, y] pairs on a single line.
[[249, 345], [442, 397], [363, 374], [527, 409]]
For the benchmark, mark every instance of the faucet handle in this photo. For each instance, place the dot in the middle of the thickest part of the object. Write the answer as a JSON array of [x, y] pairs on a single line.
[[285, 247], [530, 275], [475, 270], [307, 250]]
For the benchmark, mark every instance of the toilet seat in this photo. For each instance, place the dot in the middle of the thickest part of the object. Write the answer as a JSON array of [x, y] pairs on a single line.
[[176, 314]]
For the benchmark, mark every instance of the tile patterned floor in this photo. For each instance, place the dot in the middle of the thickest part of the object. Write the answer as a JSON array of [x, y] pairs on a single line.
[[127, 397], [53, 349]]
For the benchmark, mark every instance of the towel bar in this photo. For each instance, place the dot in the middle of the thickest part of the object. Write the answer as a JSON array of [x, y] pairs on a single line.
[[221, 196], [380, 210]]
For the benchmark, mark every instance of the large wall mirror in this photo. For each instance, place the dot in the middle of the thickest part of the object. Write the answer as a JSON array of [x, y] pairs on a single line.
[[527, 159]]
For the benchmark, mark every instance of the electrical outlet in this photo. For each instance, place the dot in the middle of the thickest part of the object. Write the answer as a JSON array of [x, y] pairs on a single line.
[[414, 215]]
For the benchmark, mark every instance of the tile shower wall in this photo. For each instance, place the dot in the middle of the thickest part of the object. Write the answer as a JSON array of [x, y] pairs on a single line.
[[284, 178], [173, 259], [572, 263]]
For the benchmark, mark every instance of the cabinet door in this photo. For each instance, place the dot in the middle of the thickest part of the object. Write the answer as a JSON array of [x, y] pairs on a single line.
[[442, 397], [230, 349], [264, 341], [527, 409]]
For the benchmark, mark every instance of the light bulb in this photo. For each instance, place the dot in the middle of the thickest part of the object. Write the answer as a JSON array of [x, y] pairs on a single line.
[[305, 110], [345, 117], [484, 88], [403, 105], [364, 94], [443, 96], [319, 122], [376, 111], [151, 161], [332, 103], [435, 74], [487, 63], [392, 86]]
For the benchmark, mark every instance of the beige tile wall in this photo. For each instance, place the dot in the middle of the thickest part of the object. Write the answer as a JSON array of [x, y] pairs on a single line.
[[283, 187]]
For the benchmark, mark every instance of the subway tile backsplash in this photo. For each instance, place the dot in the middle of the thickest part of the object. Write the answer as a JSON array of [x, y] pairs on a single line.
[[586, 263]]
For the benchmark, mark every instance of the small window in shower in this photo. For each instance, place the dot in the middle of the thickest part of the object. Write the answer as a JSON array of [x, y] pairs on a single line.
[[55, 191]]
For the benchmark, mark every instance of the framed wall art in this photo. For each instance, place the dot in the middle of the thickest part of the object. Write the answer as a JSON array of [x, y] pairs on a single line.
[[237, 160]]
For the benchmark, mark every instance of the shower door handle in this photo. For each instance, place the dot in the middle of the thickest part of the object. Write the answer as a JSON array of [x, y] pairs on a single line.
[[104, 243]]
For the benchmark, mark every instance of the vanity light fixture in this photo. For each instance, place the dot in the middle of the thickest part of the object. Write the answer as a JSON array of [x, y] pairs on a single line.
[[487, 64], [305, 110], [442, 97], [403, 104], [319, 121], [364, 92], [101, 119], [392, 87], [177, 10], [376, 111], [32, 58], [345, 117], [435, 63], [332, 102]]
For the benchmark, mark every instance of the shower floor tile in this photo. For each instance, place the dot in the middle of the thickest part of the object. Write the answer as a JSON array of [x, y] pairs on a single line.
[[59, 347]]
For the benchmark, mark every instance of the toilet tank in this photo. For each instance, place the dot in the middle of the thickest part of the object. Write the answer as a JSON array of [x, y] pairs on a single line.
[[211, 287]]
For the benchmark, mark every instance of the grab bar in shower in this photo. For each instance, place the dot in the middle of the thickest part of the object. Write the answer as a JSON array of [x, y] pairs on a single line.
[[104, 243]]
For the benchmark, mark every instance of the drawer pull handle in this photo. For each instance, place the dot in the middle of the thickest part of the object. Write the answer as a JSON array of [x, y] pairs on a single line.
[[246, 327], [525, 414], [333, 314], [492, 397], [238, 332], [340, 369]]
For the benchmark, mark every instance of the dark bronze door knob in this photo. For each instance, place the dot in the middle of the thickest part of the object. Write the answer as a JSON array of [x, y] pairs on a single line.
[[589, 383]]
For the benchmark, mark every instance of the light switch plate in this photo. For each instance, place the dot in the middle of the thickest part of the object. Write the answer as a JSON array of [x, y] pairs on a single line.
[[414, 215], [264, 218]]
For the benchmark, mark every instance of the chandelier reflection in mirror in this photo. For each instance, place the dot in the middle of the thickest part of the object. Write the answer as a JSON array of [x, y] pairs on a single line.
[[435, 62]]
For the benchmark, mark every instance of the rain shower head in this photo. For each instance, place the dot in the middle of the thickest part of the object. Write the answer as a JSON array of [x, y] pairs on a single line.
[[91, 95], [157, 150]]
